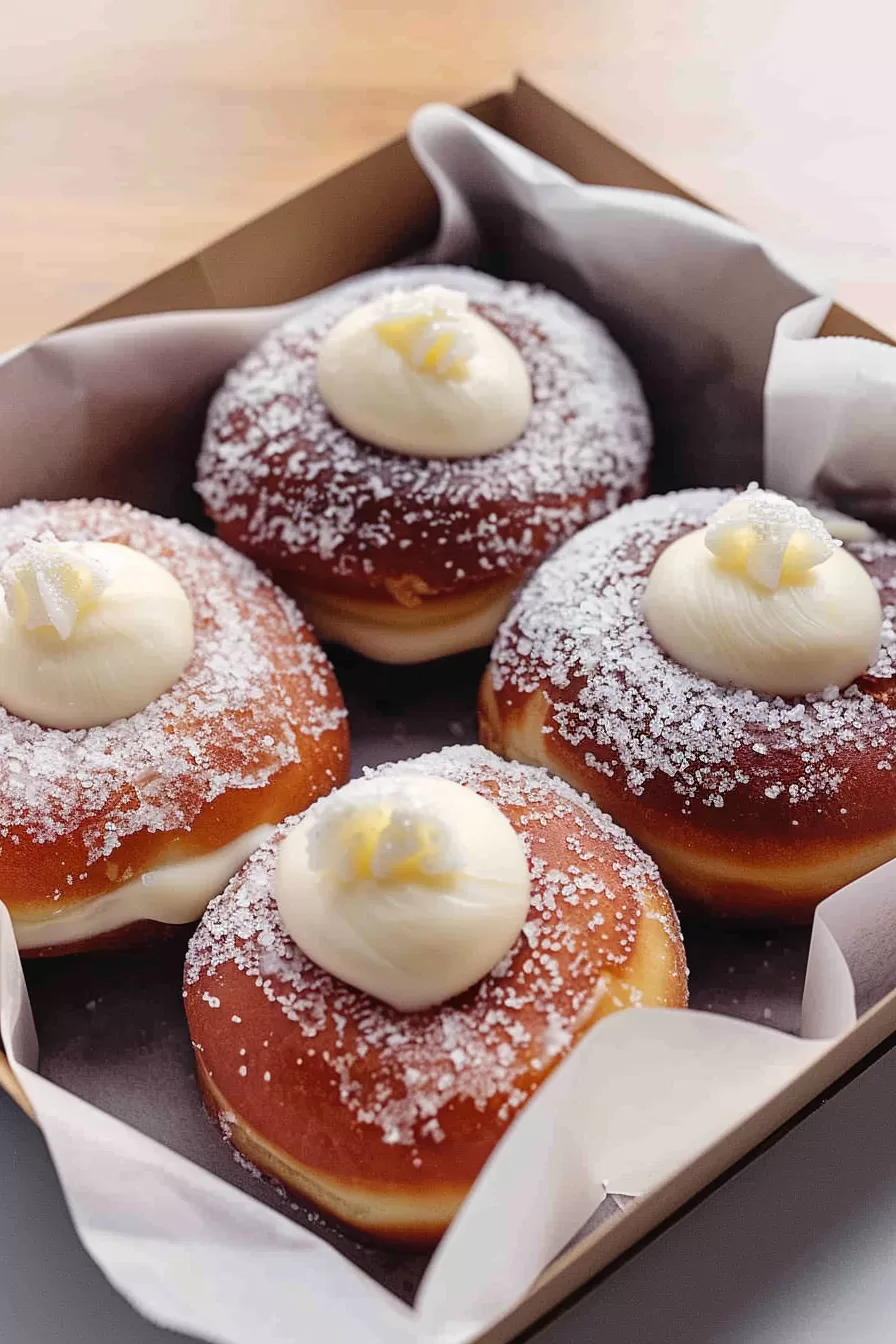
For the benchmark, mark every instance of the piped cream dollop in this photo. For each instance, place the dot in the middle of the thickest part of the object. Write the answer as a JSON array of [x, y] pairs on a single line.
[[410, 889], [419, 372], [90, 632], [764, 598]]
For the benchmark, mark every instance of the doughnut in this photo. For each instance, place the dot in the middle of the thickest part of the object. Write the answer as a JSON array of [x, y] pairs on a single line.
[[382, 1117], [109, 833], [754, 805], [401, 556]]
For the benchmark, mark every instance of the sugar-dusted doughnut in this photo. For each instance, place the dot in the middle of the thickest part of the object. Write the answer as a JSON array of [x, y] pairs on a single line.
[[384, 1115], [413, 549], [111, 830], [755, 804]]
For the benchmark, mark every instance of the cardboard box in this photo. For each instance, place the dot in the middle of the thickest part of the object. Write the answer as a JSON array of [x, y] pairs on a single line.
[[314, 240]]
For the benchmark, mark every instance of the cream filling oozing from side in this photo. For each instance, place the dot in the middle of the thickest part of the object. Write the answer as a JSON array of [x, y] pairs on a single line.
[[176, 893], [376, 638]]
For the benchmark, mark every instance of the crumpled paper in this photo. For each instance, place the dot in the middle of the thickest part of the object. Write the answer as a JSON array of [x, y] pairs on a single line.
[[830, 417], [699, 305]]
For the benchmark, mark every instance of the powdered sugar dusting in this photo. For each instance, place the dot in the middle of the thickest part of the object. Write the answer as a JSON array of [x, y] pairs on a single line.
[[577, 634], [285, 478], [150, 772], [490, 1046]]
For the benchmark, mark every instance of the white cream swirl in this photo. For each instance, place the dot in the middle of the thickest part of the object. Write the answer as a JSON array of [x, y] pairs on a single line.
[[764, 598], [409, 888], [90, 632], [419, 372]]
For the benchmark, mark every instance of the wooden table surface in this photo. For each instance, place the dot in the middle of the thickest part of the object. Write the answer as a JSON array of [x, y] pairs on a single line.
[[134, 131]]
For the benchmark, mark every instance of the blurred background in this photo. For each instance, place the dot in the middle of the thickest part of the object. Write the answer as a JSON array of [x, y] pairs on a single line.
[[134, 132]]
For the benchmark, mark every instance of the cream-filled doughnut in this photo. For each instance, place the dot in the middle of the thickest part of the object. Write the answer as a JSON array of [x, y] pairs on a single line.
[[162, 706], [505, 925], [718, 673], [411, 444]]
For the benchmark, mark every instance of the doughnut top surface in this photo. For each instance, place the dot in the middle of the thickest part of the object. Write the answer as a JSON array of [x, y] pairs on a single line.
[[281, 478], [155, 770], [489, 1046], [577, 635]]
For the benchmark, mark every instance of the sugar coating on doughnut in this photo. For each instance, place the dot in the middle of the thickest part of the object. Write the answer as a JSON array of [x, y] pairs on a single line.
[[276, 466], [577, 634], [145, 773], [477, 1048]]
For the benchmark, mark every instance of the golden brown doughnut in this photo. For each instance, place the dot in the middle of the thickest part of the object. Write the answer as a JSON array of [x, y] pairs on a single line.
[[408, 558], [753, 806], [384, 1118], [252, 730]]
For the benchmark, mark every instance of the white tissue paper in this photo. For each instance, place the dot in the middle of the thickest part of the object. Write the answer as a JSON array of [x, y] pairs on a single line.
[[830, 416], [116, 409]]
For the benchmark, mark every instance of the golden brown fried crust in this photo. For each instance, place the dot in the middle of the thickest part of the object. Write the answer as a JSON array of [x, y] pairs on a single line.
[[773, 848], [274, 1087], [41, 877], [748, 863]]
